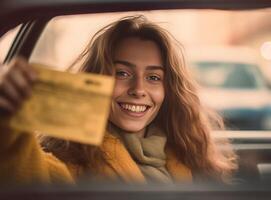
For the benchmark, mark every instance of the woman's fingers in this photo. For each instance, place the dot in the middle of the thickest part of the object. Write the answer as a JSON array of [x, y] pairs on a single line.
[[9, 91], [16, 80], [22, 65], [20, 81], [6, 106]]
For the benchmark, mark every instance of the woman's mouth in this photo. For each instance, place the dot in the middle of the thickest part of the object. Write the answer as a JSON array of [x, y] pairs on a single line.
[[137, 110]]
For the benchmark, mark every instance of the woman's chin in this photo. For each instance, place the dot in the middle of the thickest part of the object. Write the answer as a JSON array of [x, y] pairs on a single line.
[[131, 127]]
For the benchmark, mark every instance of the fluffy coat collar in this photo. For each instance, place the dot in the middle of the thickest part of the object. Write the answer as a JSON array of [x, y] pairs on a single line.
[[123, 166]]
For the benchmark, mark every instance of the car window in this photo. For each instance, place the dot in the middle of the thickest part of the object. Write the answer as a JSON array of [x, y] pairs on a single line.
[[228, 54], [226, 51]]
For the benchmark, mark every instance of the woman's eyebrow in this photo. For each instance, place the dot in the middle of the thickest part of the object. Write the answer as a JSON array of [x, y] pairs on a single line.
[[155, 67], [128, 64]]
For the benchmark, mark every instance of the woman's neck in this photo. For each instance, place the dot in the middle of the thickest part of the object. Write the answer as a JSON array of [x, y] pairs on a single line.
[[140, 133]]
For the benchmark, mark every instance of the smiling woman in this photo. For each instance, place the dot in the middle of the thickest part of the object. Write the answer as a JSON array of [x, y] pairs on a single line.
[[154, 97], [157, 129]]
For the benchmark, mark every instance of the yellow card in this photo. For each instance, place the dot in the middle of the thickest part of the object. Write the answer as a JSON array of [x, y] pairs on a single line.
[[67, 106]]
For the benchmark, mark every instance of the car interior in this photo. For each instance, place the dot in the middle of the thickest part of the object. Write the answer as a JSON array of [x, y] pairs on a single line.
[[253, 147]]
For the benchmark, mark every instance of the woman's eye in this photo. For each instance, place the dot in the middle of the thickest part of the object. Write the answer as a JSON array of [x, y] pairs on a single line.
[[122, 74], [154, 78]]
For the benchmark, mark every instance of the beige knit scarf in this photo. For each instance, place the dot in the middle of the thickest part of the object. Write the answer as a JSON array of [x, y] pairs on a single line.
[[148, 152]]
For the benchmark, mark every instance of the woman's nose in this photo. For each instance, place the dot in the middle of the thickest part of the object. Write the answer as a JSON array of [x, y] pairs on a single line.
[[137, 88]]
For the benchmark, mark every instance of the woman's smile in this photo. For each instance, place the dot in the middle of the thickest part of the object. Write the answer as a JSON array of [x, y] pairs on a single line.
[[134, 110]]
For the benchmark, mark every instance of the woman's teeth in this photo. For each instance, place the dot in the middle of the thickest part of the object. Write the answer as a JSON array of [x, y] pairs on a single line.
[[133, 108]]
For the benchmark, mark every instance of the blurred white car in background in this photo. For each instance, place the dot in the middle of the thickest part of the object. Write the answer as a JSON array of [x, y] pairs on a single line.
[[232, 84]]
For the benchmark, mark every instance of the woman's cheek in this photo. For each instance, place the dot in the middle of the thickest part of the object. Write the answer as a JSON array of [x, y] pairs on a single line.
[[158, 95], [118, 89]]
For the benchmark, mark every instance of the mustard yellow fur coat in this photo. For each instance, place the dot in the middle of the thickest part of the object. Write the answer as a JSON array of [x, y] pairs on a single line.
[[23, 161]]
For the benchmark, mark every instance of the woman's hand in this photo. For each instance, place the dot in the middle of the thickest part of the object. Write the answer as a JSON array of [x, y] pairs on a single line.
[[16, 80]]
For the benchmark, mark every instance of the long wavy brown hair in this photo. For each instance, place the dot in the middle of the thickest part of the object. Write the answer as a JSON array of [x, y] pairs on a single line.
[[185, 121]]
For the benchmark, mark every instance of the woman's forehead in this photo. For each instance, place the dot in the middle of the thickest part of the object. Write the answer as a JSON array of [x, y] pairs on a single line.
[[136, 49]]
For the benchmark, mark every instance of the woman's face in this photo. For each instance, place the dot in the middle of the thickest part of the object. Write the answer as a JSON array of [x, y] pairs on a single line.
[[139, 90]]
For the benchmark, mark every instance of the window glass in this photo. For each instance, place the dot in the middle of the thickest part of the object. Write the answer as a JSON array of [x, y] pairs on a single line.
[[228, 53]]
